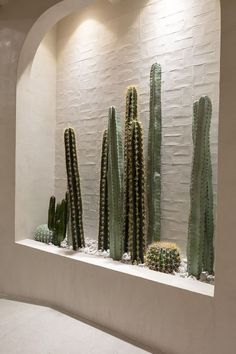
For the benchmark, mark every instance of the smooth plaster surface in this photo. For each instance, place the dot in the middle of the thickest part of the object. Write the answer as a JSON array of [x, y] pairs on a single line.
[[163, 317], [32, 329]]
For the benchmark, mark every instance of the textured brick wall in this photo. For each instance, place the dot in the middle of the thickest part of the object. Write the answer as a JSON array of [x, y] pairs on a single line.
[[106, 48]]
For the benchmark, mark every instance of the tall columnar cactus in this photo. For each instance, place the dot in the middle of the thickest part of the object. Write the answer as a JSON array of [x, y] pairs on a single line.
[[154, 157], [103, 235], [115, 185], [131, 115], [136, 195], [51, 213], [200, 249], [75, 199]]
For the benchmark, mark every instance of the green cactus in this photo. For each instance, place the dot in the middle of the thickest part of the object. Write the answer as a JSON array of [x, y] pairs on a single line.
[[43, 234], [154, 157], [163, 257], [51, 213], [136, 195], [200, 249], [115, 185], [131, 115], [103, 235], [59, 233], [75, 199]]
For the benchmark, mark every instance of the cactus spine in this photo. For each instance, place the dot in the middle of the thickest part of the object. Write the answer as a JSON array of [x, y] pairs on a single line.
[[131, 115], [154, 157], [51, 213], [103, 235], [115, 184], [73, 180], [200, 249]]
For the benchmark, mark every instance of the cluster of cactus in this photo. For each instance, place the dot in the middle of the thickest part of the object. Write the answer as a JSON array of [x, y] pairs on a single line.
[[115, 185], [200, 248], [103, 233], [134, 182], [43, 234], [163, 257], [75, 199], [58, 219], [154, 157]]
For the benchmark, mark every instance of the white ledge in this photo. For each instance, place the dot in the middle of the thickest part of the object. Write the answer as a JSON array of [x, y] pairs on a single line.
[[141, 272]]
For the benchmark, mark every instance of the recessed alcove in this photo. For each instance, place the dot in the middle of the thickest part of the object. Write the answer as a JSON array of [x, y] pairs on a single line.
[[81, 67]]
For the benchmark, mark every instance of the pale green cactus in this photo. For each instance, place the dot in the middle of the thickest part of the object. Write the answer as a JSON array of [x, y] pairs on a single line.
[[43, 234], [103, 233], [200, 248], [115, 185], [154, 157], [75, 199]]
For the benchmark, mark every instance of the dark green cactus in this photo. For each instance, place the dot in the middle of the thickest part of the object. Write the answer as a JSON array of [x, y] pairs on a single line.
[[200, 249], [163, 257], [154, 157], [136, 195], [115, 185], [103, 235], [51, 213], [131, 115], [59, 233], [75, 199]]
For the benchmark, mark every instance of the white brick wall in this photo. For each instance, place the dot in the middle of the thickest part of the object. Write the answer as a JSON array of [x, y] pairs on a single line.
[[106, 48]]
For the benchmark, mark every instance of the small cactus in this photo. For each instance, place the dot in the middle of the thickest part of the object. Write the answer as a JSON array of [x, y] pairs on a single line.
[[115, 185], [103, 235], [51, 213], [163, 257], [75, 199], [43, 234], [59, 233]]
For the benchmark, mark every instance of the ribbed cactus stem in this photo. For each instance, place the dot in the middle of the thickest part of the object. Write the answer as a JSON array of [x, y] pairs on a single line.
[[51, 213], [115, 185], [154, 157], [103, 235], [200, 250], [74, 189], [131, 115], [136, 196]]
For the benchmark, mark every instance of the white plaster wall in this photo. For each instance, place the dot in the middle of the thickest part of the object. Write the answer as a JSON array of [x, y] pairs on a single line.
[[105, 48], [35, 141]]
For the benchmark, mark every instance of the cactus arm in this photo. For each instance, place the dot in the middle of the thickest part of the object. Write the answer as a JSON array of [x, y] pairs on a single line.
[[103, 234], [115, 184], [154, 156], [74, 189]]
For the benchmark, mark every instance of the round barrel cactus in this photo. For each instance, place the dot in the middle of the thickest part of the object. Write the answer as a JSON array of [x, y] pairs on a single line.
[[163, 257], [43, 234]]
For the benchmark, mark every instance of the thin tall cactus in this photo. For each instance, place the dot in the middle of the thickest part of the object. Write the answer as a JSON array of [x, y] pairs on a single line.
[[154, 157], [103, 234], [51, 213], [75, 199], [136, 195], [115, 184], [131, 115], [200, 248]]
